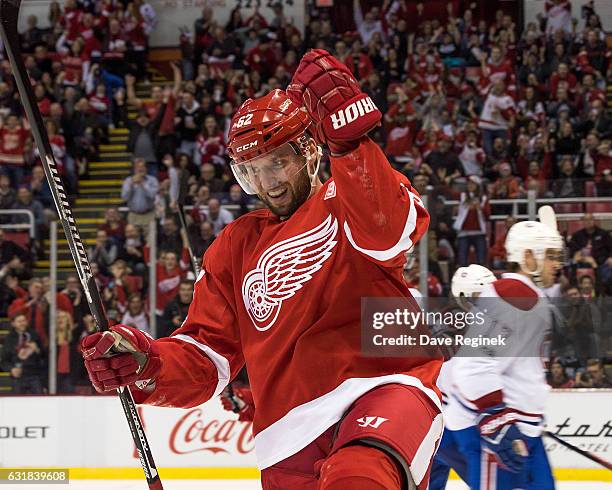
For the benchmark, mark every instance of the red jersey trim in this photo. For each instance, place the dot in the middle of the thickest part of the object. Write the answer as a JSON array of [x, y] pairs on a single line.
[[489, 400], [516, 293]]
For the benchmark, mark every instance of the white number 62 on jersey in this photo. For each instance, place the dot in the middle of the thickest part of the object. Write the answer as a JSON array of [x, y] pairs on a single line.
[[244, 120]]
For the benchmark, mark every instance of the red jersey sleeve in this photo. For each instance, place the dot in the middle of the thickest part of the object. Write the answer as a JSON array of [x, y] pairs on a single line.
[[204, 354], [383, 215]]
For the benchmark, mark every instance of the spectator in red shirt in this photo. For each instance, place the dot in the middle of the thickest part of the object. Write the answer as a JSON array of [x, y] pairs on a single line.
[[400, 138], [603, 170], [64, 335], [100, 103], [211, 143], [497, 252], [42, 99], [71, 20], [412, 277], [36, 309], [119, 288], [358, 62], [169, 276], [262, 58], [497, 68], [75, 64], [14, 137], [470, 223], [114, 226], [402, 109], [563, 76], [58, 144]]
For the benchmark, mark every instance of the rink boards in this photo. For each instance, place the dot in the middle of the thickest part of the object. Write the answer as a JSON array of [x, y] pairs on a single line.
[[89, 433]]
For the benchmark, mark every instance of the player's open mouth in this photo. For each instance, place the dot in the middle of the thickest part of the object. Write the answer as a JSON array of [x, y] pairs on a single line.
[[278, 195]]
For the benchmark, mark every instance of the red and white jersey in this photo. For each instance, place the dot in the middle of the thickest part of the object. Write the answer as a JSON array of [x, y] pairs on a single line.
[[472, 159], [520, 312], [558, 16], [496, 112], [211, 149], [168, 283], [71, 21], [12, 145], [73, 68], [285, 297], [457, 416], [99, 103]]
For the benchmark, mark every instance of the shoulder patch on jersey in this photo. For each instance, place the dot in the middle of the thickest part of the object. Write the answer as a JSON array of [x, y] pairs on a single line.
[[516, 293], [331, 191]]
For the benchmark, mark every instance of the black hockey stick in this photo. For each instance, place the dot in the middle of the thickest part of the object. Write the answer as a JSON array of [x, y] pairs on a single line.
[[586, 454], [229, 391], [194, 261], [9, 15]]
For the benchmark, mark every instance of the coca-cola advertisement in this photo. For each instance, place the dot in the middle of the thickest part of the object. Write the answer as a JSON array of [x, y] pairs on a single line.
[[196, 432], [55, 431]]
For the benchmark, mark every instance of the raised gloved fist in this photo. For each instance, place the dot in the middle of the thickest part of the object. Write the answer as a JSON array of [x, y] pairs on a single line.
[[501, 436], [341, 111], [121, 356]]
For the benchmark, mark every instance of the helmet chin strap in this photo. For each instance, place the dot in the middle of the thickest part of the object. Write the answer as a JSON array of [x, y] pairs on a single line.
[[535, 275], [314, 175]]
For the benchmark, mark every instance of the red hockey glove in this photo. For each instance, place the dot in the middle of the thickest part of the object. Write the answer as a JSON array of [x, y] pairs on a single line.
[[240, 401], [341, 111], [120, 356]]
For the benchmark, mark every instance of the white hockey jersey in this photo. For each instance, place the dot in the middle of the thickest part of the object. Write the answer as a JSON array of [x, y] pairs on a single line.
[[496, 112], [457, 416], [514, 374]]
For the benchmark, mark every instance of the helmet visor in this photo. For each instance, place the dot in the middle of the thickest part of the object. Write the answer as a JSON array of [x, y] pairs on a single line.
[[271, 171]]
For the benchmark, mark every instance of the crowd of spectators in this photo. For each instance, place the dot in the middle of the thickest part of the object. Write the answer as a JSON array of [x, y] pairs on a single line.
[[474, 110], [77, 66]]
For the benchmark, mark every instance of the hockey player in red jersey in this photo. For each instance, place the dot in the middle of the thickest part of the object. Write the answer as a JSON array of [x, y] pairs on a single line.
[[281, 290]]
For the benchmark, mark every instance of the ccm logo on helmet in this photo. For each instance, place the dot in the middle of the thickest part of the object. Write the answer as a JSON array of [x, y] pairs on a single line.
[[353, 111], [246, 147]]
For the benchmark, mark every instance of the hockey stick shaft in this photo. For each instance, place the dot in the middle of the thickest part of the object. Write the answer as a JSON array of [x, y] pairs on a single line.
[[196, 269], [9, 15], [194, 261], [586, 454]]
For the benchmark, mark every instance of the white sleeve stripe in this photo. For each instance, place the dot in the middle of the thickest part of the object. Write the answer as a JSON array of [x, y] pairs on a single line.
[[220, 362], [424, 454], [405, 242]]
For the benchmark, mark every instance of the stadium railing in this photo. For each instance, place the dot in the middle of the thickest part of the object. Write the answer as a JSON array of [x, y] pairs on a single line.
[[30, 226]]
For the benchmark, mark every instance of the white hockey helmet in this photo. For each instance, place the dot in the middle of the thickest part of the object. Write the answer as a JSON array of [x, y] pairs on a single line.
[[535, 236], [471, 279]]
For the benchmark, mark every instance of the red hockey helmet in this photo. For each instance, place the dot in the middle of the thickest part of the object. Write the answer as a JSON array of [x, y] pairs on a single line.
[[262, 125]]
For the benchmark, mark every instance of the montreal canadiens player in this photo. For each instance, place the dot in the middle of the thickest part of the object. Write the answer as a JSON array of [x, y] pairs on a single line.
[[460, 445], [506, 386], [281, 290]]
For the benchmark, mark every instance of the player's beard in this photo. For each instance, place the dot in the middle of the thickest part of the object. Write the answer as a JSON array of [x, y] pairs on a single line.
[[297, 192]]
